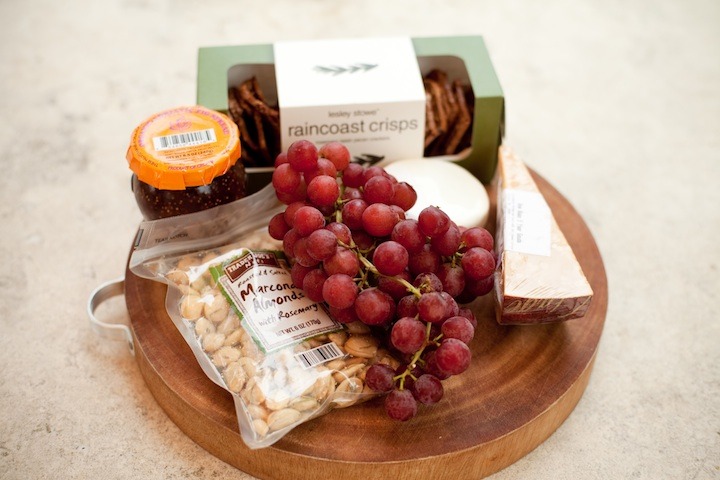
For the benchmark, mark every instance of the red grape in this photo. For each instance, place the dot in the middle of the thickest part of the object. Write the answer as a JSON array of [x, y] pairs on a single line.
[[408, 335], [400, 405], [478, 288], [453, 356], [432, 368], [280, 159], [380, 377], [407, 233], [321, 244], [342, 261], [302, 256], [324, 167], [467, 313], [427, 389], [308, 219], [373, 171], [390, 258], [426, 260], [296, 195], [407, 306], [458, 327], [374, 307], [451, 306], [478, 263], [404, 196], [398, 211], [290, 211], [298, 272], [378, 189], [353, 175], [323, 191], [352, 213], [313, 284], [341, 231], [363, 240], [343, 315], [285, 178], [433, 221], [477, 237], [327, 210], [278, 227], [340, 291], [351, 193], [446, 244], [452, 278], [289, 240], [337, 153], [302, 155], [378, 220], [432, 307]]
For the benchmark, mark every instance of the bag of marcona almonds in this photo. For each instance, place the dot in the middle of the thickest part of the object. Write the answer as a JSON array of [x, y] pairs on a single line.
[[281, 356]]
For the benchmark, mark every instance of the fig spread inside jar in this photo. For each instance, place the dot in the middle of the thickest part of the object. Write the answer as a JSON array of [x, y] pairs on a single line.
[[185, 160]]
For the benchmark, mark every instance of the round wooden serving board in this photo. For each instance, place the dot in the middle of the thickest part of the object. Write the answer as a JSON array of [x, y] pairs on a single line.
[[523, 383]]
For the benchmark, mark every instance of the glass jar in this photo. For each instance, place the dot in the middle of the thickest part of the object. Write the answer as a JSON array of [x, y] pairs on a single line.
[[185, 160]]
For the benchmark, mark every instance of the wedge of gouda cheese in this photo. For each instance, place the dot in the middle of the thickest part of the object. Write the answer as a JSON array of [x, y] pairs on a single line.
[[537, 279]]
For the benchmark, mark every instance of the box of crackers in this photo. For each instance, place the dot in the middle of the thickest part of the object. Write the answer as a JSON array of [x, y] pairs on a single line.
[[386, 99]]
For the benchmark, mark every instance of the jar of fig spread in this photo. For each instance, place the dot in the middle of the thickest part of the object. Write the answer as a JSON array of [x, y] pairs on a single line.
[[185, 160]]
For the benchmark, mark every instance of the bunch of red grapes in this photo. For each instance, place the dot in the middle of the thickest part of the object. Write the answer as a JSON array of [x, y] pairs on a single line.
[[351, 246]]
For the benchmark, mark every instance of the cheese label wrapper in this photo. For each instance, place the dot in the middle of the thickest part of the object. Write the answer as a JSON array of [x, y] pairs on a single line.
[[366, 93], [527, 222]]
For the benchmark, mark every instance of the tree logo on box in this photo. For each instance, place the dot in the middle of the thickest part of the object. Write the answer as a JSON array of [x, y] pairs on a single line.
[[337, 70]]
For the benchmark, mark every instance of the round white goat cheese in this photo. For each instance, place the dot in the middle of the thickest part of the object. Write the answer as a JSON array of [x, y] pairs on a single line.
[[446, 185]]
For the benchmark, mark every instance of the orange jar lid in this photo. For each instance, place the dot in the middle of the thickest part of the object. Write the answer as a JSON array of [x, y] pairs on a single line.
[[183, 147]]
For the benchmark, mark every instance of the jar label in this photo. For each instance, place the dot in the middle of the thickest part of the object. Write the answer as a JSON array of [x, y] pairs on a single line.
[[183, 147], [272, 310], [182, 140]]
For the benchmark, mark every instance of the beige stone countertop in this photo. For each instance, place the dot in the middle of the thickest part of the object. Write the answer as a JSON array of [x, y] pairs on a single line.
[[617, 104]]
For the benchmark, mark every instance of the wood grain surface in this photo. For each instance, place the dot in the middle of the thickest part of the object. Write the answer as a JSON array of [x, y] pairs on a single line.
[[523, 383]]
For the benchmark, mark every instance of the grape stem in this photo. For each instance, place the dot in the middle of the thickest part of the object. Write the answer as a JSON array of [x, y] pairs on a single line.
[[361, 253], [408, 286], [416, 357], [370, 268]]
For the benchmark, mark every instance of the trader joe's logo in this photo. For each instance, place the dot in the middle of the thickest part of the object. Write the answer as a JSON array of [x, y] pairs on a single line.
[[335, 70]]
